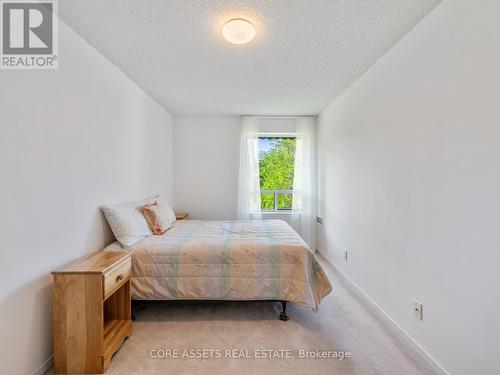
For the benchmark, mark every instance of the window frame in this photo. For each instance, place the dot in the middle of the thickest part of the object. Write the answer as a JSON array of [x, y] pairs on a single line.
[[276, 192]]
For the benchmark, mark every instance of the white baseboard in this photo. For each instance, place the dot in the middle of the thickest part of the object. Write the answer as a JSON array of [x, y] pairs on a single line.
[[386, 317], [44, 367]]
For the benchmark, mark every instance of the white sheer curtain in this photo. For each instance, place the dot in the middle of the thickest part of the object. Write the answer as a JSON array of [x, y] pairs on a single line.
[[304, 181], [249, 183]]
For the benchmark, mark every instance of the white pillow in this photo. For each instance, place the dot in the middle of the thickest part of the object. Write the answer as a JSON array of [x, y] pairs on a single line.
[[127, 221]]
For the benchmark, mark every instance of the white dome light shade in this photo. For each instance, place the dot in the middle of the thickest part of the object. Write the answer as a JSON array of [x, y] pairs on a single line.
[[238, 31]]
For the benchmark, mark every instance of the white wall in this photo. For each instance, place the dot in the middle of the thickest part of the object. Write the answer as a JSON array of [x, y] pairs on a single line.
[[70, 140], [206, 167], [410, 180], [207, 152]]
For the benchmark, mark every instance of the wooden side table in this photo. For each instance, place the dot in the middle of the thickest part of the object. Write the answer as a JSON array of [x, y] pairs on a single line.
[[91, 311], [182, 216]]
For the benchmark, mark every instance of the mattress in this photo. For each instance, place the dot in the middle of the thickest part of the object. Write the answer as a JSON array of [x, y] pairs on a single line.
[[227, 260]]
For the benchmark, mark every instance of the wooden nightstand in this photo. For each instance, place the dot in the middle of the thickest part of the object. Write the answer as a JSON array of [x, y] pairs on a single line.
[[181, 216], [91, 311]]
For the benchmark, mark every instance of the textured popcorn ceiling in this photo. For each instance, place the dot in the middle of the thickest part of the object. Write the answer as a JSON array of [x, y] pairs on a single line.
[[305, 53]]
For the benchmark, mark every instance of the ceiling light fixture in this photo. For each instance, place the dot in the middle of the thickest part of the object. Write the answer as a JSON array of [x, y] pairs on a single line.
[[238, 31]]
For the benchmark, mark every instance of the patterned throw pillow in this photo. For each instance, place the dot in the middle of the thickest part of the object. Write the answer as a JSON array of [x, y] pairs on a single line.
[[159, 216]]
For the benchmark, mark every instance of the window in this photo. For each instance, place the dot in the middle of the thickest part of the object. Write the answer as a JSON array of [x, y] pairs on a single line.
[[276, 167]]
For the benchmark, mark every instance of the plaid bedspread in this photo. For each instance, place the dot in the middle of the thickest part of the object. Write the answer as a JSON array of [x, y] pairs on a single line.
[[227, 260]]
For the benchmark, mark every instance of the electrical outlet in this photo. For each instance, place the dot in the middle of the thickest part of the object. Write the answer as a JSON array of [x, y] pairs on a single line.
[[418, 310], [345, 255]]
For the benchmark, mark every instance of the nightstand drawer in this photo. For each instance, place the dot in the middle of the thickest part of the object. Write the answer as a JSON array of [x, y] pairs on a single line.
[[116, 277]]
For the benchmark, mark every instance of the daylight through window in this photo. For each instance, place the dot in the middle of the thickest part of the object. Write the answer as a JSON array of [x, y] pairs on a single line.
[[276, 166]]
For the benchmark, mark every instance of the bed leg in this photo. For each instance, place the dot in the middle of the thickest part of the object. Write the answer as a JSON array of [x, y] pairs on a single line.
[[283, 315], [135, 307]]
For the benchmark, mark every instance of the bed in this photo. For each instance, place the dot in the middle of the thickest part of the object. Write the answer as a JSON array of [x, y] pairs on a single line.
[[227, 260]]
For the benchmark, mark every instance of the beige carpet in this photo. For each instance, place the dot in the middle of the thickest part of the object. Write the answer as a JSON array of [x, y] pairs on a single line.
[[344, 323]]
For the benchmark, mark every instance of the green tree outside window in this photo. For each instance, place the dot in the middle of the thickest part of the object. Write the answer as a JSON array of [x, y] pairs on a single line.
[[276, 165]]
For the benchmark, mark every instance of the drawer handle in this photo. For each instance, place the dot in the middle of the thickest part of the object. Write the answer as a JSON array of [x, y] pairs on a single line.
[[119, 278]]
